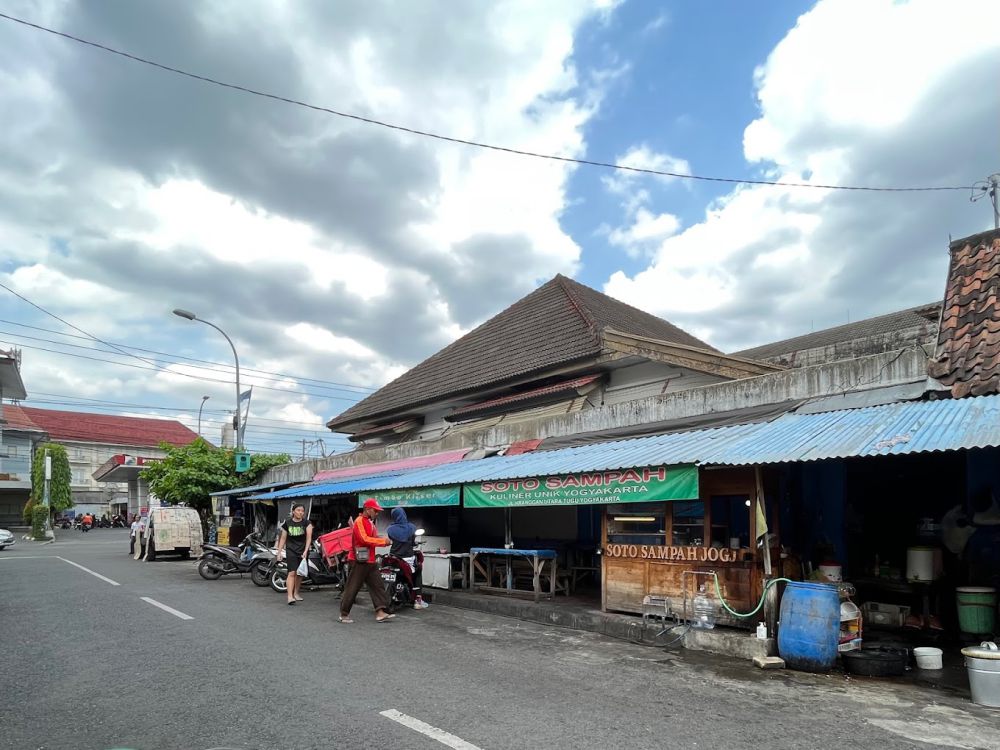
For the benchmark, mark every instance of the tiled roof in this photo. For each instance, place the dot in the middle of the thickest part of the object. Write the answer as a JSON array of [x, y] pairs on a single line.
[[923, 315], [968, 350], [16, 419], [107, 428], [530, 395], [558, 323]]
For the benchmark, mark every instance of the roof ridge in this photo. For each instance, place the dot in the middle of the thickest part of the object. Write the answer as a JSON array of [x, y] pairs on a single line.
[[843, 326], [565, 283]]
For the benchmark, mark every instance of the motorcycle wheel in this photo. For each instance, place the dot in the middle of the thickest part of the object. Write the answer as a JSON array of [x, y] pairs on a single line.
[[259, 575], [279, 581], [209, 569]]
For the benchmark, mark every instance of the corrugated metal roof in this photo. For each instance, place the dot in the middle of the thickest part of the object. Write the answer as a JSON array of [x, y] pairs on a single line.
[[397, 465], [891, 429], [248, 490]]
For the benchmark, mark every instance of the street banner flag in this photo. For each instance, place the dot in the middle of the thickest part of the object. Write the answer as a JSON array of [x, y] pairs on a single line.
[[244, 397]]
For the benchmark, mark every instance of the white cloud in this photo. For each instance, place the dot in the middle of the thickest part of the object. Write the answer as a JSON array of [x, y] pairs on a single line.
[[646, 230], [324, 247], [909, 101]]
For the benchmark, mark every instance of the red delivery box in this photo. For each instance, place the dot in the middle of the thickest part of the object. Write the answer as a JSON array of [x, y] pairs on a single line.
[[336, 542]]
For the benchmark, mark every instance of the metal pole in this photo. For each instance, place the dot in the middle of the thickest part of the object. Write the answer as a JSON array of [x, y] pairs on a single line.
[[45, 491], [236, 357], [203, 400], [187, 315], [995, 199]]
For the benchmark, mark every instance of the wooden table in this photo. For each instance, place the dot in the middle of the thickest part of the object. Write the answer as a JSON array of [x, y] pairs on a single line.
[[491, 555]]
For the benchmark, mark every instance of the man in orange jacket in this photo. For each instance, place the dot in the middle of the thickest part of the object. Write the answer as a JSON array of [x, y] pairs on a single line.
[[363, 567]]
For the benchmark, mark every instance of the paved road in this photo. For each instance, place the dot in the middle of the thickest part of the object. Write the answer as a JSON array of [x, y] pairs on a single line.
[[93, 665]]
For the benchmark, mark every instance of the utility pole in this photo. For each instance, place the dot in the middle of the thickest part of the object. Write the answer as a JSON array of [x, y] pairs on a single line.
[[989, 187], [994, 183], [45, 491]]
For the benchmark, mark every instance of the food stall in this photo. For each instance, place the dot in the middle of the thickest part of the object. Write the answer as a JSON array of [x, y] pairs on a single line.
[[652, 548]]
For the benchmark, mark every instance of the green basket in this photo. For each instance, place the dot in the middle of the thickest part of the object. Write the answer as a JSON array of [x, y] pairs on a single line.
[[976, 609]]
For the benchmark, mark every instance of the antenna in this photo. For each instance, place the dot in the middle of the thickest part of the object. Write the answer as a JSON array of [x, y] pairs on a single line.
[[989, 187]]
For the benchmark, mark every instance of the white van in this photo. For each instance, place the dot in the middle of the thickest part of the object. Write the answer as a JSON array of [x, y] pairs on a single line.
[[170, 529]]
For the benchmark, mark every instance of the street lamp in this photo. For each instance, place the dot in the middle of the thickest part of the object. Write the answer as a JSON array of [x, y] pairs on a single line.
[[203, 400], [236, 419]]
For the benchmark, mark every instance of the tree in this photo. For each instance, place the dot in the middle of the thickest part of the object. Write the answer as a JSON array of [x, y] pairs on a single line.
[[189, 473], [60, 493]]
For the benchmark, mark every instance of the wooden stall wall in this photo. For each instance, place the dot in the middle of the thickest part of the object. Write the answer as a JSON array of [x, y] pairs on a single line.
[[656, 566]]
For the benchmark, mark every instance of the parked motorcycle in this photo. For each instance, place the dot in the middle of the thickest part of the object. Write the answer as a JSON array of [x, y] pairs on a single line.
[[252, 557], [401, 578], [321, 573], [118, 523]]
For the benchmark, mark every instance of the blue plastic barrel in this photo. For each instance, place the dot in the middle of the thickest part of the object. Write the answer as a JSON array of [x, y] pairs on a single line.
[[809, 628]]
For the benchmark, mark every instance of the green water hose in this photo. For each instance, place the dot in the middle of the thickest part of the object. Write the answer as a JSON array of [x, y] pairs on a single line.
[[763, 595]]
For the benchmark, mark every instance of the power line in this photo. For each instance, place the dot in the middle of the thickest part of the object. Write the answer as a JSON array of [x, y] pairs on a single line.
[[83, 401], [463, 141], [175, 372], [169, 362], [343, 386]]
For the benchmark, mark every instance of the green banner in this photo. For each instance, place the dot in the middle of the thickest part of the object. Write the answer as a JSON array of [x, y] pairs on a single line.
[[421, 496], [645, 485]]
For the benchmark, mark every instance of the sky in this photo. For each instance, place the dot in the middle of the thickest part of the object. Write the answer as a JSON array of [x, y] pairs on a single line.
[[337, 254]]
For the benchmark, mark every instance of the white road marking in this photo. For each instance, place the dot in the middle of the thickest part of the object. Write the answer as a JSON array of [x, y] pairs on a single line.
[[28, 557], [88, 570], [445, 738], [165, 608]]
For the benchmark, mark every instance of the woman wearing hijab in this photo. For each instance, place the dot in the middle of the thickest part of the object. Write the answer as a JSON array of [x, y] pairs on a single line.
[[403, 536]]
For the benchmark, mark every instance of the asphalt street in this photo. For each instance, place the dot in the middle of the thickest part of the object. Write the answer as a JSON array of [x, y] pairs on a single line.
[[149, 656]]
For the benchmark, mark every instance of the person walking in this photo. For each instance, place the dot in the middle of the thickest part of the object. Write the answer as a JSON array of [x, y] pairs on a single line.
[[361, 556], [296, 538], [133, 532]]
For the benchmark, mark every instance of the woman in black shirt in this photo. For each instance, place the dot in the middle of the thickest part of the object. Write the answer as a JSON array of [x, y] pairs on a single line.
[[296, 538]]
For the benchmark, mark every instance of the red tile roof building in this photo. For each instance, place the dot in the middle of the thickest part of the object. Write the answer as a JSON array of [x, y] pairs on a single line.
[[106, 429], [968, 349]]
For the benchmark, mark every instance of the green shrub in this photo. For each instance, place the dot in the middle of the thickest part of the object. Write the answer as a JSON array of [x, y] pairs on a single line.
[[39, 515], [26, 513]]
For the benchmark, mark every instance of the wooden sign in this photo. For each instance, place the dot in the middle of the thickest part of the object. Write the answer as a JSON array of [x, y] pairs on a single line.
[[672, 554]]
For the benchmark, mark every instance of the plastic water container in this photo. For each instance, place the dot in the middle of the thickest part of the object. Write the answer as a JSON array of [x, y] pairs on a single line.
[[809, 628], [928, 657], [704, 611]]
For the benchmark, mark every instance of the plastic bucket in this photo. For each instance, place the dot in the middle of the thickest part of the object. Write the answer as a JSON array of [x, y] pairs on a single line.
[[928, 657], [809, 628], [976, 609]]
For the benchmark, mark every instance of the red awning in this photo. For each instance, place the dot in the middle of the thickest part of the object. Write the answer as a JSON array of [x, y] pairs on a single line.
[[402, 464]]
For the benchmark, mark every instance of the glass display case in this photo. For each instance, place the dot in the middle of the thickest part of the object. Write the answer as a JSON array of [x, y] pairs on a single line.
[[688, 527], [637, 523]]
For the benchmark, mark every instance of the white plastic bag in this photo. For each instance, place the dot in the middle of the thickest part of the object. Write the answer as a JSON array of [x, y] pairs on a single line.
[[303, 569]]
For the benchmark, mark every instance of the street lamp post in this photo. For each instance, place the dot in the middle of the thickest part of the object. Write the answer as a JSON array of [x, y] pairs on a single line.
[[236, 419], [203, 400]]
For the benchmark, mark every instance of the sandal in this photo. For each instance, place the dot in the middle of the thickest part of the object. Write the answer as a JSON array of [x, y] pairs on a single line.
[[291, 602], [345, 619]]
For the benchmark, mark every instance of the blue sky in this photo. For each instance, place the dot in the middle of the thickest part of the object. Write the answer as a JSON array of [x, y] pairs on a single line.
[[687, 91], [338, 253]]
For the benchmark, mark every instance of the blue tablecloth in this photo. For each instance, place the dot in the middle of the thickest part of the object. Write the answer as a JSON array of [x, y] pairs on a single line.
[[542, 554]]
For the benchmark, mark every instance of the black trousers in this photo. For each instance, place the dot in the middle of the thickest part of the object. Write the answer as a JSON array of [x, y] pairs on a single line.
[[363, 573], [131, 545]]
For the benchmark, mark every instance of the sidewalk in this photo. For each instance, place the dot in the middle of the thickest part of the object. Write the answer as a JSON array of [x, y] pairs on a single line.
[[581, 613]]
